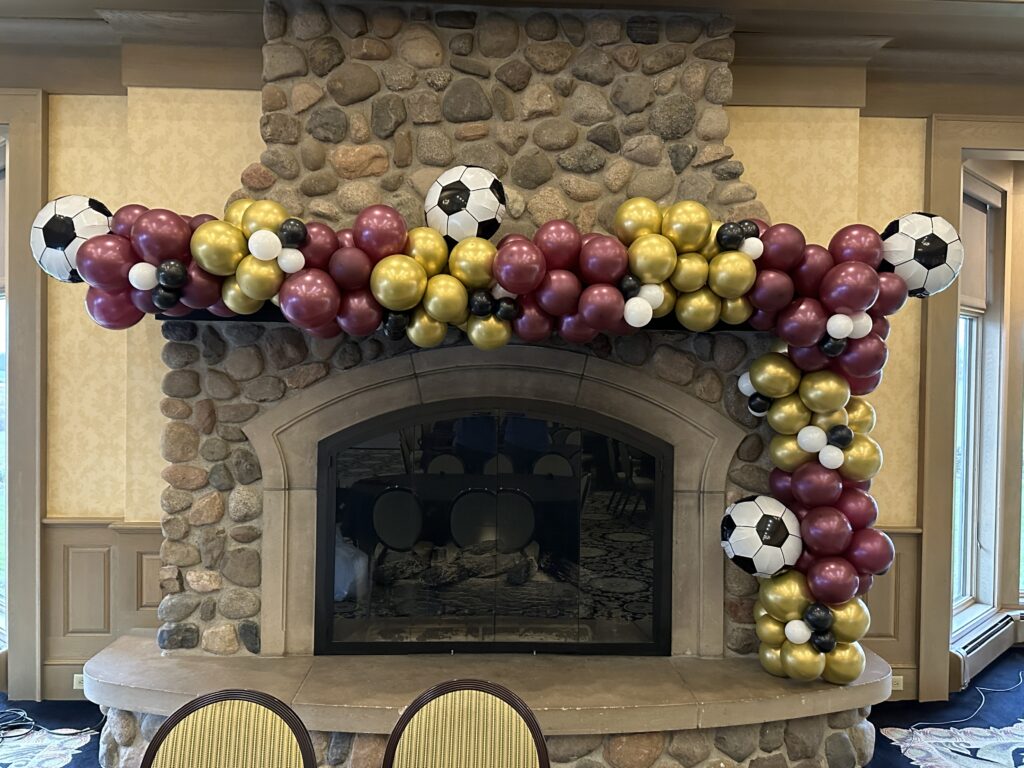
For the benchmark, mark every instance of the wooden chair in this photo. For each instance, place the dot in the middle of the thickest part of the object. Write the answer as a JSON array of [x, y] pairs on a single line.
[[467, 724], [231, 729]]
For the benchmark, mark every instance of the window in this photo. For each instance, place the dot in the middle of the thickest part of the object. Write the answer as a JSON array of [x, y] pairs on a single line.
[[965, 461]]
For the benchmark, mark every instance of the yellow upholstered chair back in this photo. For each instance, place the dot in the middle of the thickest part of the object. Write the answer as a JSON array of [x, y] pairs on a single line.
[[231, 729], [467, 724]]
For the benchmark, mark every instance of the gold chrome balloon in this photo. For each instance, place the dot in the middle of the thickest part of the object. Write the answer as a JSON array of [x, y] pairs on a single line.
[[652, 258], [711, 249], [446, 299], [786, 454], [771, 659], [788, 415], [770, 631], [687, 224], [424, 331], [862, 459], [471, 260], [759, 610], [779, 346], [398, 282], [844, 664], [263, 214], [699, 310], [233, 212], [861, 414], [259, 279], [785, 596], [829, 419], [218, 247], [736, 311], [803, 661], [236, 300], [824, 391], [668, 301], [488, 332], [850, 620], [637, 216], [428, 247], [731, 274], [691, 272], [774, 375]]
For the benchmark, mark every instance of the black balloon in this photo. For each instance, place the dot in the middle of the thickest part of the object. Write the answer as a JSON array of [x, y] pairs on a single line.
[[395, 325], [825, 642], [831, 347], [164, 298], [818, 617], [840, 436], [758, 404], [750, 228], [481, 303], [630, 286], [292, 233], [730, 236], [172, 274], [507, 309]]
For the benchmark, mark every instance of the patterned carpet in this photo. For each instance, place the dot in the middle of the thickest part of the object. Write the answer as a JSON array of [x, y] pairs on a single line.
[[42, 749]]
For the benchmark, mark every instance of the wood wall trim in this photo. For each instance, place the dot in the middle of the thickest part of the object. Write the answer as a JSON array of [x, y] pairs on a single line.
[[191, 66]]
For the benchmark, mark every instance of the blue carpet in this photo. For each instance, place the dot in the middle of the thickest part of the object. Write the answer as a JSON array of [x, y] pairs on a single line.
[[1000, 711], [53, 714]]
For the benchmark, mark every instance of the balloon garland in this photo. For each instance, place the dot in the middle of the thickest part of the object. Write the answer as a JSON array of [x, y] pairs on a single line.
[[811, 542]]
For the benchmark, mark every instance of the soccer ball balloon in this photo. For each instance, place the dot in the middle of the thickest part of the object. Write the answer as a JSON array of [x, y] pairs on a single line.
[[761, 535], [465, 201], [59, 230], [925, 250]]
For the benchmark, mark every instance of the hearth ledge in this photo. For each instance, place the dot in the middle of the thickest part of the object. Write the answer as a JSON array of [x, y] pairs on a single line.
[[570, 694]]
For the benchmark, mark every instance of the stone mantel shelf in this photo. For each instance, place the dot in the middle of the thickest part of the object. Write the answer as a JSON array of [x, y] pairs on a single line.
[[570, 694]]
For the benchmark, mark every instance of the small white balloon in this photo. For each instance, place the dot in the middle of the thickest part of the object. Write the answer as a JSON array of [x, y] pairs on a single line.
[[744, 384], [839, 326], [265, 245], [142, 276], [811, 439], [862, 324], [798, 631], [500, 293], [291, 260], [276, 300], [831, 457], [753, 247], [653, 294], [638, 312]]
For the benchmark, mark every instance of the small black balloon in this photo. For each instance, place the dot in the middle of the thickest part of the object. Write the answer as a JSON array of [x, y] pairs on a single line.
[[395, 325], [164, 298], [481, 303], [507, 309], [825, 642], [730, 236], [758, 404], [750, 228], [630, 286], [840, 436], [292, 233], [818, 617], [172, 274], [831, 347]]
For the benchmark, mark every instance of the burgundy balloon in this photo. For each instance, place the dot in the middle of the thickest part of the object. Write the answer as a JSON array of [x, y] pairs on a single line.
[[512, 237], [826, 531], [143, 301], [816, 486], [857, 242], [762, 225], [814, 265], [864, 386], [309, 298], [866, 581], [574, 329], [892, 295], [881, 327], [321, 243], [622, 328], [802, 323], [359, 314], [103, 262], [863, 357], [112, 309], [380, 231], [860, 485], [346, 237], [220, 309], [832, 580], [806, 560], [859, 506], [783, 247], [849, 288], [178, 310], [587, 237], [762, 321], [202, 289], [350, 268], [772, 290], [533, 324], [560, 242], [199, 219], [870, 551], [328, 331], [159, 235], [781, 485], [124, 217], [601, 306], [809, 358], [800, 512], [559, 292], [519, 266], [603, 259]]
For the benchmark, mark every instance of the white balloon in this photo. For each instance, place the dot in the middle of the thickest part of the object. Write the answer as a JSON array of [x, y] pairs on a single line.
[[265, 245], [291, 260], [753, 247], [500, 293], [831, 457], [276, 300], [638, 312], [862, 324], [798, 631], [652, 294], [744, 385], [811, 439], [839, 326], [142, 276]]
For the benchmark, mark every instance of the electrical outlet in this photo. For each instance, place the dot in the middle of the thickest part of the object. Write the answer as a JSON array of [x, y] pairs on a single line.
[[79, 682], [897, 682]]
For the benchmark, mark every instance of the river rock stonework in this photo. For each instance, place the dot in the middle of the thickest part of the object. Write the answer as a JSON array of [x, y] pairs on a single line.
[[574, 111]]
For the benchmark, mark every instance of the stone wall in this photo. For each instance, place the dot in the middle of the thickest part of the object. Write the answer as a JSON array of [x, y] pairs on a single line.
[[574, 111], [840, 740]]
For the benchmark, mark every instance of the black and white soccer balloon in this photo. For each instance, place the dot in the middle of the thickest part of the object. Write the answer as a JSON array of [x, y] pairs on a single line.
[[465, 201], [761, 535], [60, 228], [925, 250]]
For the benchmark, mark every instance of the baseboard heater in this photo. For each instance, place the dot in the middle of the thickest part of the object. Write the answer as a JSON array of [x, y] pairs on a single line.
[[981, 650]]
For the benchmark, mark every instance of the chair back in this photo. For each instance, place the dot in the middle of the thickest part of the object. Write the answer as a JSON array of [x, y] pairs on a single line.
[[498, 464], [467, 724], [554, 464], [473, 517], [398, 519], [446, 464], [231, 729]]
